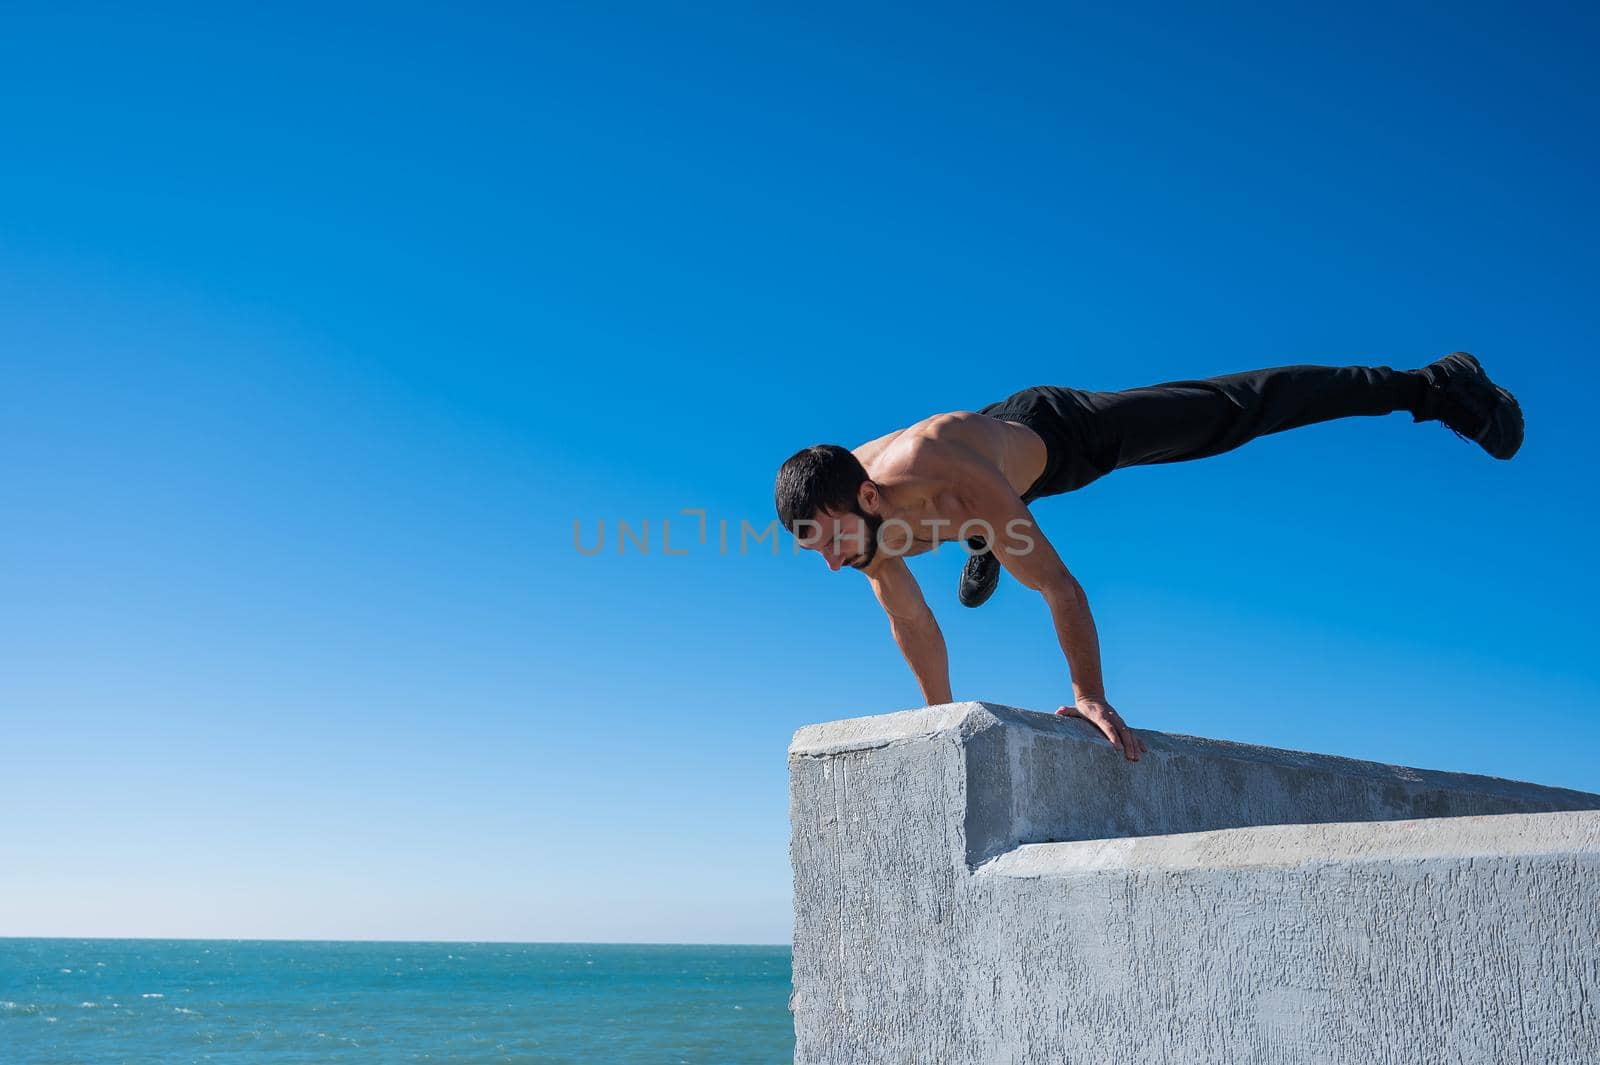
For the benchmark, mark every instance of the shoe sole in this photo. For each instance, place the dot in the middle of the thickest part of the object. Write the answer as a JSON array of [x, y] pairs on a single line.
[[1506, 398], [983, 594]]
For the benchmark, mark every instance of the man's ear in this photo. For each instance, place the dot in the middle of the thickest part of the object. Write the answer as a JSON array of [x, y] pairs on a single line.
[[868, 497]]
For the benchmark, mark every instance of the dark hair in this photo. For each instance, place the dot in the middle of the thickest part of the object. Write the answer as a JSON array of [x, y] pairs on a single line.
[[823, 476]]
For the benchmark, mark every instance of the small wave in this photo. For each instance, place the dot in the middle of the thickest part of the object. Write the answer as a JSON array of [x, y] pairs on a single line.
[[153, 994], [66, 970], [180, 1009], [88, 1005]]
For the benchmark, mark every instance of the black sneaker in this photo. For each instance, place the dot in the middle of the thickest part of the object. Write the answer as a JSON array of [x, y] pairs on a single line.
[[980, 575], [1460, 395]]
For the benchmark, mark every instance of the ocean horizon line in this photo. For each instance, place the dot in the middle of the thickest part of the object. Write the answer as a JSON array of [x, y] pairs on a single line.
[[398, 942]]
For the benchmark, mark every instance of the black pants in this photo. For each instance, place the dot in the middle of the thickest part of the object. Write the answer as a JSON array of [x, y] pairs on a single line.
[[1089, 434]]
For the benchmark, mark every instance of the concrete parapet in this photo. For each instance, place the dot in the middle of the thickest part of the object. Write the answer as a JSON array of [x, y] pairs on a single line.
[[975, 883]]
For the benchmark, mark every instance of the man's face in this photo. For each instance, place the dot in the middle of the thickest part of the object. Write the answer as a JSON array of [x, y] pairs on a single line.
[[848, 539]]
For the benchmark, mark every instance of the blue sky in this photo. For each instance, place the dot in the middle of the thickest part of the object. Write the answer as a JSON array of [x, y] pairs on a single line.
[[319, 330]]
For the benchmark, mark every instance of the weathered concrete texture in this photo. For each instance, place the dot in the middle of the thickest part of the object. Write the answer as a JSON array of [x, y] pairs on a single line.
[[975, 883]]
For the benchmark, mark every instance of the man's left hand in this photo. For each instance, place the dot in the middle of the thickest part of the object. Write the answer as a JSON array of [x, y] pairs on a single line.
[[1104, 717]]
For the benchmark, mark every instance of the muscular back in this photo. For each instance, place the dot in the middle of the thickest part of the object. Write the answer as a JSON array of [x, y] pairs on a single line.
[[1012, 448]]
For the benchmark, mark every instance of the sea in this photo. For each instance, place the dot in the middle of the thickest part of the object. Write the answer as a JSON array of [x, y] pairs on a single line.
[[153, 1002]]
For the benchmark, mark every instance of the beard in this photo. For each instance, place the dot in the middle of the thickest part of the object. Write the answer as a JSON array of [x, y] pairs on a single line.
[[869, 549]]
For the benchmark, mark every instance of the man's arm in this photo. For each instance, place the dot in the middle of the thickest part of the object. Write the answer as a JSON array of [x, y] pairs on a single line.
[[914, 627], [1026, 553]]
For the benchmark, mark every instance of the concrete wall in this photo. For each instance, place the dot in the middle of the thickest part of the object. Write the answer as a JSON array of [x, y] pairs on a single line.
[[975, 883]]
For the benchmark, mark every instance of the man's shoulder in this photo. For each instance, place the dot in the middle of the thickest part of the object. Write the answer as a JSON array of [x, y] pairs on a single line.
[[909, 453], [956, 428], [868, 452], [952, 439], [936, 455]]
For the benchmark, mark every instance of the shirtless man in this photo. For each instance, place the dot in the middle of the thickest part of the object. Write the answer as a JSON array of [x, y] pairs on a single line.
[[970, 476]]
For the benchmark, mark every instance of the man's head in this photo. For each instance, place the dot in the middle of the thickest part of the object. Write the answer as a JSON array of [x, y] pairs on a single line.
[[825, 498]]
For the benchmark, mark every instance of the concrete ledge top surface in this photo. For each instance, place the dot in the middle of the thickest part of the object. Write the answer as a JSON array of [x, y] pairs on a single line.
[[1496, 836], [880, 730], [965, 718]]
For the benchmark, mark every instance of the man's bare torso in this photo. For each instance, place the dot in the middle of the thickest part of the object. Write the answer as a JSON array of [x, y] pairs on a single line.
[[919, 467]]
